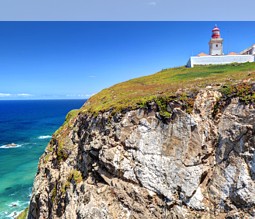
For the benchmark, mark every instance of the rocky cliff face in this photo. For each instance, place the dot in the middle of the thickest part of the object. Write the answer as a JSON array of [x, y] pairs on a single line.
[[136, 164]]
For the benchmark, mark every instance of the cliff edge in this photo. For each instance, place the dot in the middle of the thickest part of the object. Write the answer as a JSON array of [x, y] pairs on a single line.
[[184, 149]]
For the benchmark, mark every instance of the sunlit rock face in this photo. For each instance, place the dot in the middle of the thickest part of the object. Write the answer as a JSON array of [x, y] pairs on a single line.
[[136, 164]]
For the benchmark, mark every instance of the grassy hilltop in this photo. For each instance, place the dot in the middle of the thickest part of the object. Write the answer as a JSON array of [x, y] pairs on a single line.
[[174, 84], [179, 85], [166, 83]]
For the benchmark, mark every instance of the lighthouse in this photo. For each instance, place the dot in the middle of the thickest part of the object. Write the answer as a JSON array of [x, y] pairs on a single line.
[[215, 44], [216, 56]]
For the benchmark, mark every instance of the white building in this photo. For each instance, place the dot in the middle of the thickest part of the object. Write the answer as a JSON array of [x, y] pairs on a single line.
[[216, 55], [249, 51]]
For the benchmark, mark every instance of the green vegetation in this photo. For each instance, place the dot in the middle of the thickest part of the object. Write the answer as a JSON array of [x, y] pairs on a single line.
[[71, 114], [76, 176], [164, 84], [172, 84], [162, 104], [65, 187], [50, 148], [186, 101], [23, 214], [54, 193], [46, 158], [62, 154], [244, 91]]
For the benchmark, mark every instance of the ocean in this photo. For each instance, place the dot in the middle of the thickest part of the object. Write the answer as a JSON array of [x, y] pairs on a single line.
[[28, 124]]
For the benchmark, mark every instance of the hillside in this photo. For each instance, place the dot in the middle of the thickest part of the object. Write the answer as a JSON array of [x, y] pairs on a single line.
[[176, 144], [165, 83]]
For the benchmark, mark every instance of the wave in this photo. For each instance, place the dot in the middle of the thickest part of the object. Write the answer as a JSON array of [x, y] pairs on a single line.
[[13, 214], [44, 136], [12, 145], [15, 208], [14, 204]]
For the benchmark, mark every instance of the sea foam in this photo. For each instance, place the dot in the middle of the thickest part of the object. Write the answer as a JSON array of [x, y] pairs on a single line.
[[6, 146], [14, 204], [44, 136]]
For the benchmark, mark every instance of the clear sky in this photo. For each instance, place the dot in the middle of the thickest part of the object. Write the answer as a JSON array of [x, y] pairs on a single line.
[[49, 60], [105, 10]]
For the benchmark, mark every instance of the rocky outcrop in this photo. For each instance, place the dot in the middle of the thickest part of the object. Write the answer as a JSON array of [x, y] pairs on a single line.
[[136, 164]]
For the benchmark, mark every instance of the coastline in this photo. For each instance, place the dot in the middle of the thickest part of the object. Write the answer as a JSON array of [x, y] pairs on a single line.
[[26, 128]]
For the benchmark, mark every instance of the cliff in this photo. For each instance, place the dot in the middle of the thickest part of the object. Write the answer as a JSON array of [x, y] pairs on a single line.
[[188, 153]]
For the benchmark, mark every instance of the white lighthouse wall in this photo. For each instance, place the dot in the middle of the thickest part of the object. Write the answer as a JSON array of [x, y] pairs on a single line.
[[216, 48], [219, 60], [216, 51]]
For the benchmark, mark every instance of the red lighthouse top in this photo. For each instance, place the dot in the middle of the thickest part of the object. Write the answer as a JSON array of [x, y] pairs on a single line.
[[215, 32]]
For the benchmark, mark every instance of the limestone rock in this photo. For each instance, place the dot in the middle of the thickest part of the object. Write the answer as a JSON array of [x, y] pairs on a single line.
[[135, 165]]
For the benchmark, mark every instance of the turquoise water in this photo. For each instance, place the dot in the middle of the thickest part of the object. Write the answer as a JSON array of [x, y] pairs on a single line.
[[29, 125]]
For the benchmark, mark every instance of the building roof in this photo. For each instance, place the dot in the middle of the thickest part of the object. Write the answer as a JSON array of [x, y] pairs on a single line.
[[232, 53], [247, 49], [202, 54]]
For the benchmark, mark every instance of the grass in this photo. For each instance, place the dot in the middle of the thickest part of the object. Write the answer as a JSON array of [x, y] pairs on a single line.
[[71, 114], [76, 176], [54, 193], [23, 214], [65, 187], [138, 91], [244, 91], [61, 152], [175, 84]]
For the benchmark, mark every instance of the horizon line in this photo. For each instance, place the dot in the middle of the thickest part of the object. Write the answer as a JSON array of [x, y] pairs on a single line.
[[41, 99]]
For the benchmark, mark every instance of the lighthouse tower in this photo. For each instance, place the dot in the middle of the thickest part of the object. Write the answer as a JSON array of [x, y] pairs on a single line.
[[215, 44]]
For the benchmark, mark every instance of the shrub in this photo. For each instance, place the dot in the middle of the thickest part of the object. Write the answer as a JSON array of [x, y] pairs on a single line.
[[76, 176], [65, 187], [54, 193], [62, 153], [162, 105], [242, 90]]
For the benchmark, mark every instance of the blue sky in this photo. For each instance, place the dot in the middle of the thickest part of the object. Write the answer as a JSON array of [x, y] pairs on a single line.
[[70, 60]]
